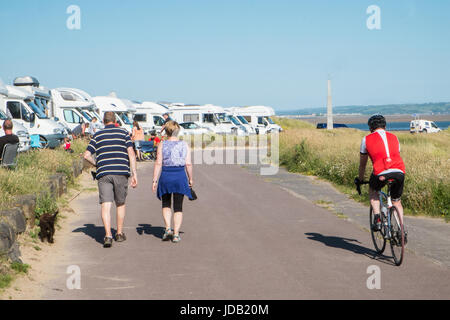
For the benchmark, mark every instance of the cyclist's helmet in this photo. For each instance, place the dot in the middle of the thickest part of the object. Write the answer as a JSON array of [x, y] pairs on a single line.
[[376, 121]]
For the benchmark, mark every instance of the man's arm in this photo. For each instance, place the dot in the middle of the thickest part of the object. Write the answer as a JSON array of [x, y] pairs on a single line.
[[362, 165], [132, 157], [89, 158]]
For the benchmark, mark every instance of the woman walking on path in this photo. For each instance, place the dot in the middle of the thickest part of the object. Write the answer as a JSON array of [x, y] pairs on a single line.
[[174, 168], [137, 136]]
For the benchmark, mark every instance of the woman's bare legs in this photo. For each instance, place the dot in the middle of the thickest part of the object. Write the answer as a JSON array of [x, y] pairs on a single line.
[[167, 216], [177, 220]]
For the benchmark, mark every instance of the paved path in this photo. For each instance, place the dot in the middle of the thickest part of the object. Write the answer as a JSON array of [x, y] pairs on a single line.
[[244, 238]]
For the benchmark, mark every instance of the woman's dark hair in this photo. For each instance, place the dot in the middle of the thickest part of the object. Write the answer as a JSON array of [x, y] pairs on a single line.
[[376, 121], [136, 124]]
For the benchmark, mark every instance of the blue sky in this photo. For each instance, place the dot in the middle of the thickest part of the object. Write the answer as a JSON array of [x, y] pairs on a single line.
[[276, 53]]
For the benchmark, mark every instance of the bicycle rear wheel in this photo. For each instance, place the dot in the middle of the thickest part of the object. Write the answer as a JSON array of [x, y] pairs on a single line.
[[397, 240], [377, 236]]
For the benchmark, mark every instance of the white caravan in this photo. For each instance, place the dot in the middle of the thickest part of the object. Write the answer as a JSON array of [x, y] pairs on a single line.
[[116, 105], [72, 106], [19, 105], [208, 116], [149, 116], [425, 126], [259, 118], [18, 129]]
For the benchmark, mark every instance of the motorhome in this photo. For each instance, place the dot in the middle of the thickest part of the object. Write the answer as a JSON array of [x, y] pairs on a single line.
[[209, 116], [18, 129], [234, 116], [72, 106], [131, 107], [260, 118], [423, 126], [19, 105], [116, 105], [149, 116]]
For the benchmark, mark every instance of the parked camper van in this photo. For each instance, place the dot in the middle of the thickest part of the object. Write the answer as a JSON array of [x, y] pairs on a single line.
[[19, 130], [19, 105], [72, 106], [236, 118], [208, 116], [260, 118], [425, 126], [116, 105], [149, 116]]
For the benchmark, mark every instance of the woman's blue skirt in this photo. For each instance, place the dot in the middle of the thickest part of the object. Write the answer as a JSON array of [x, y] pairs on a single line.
[[173, 180]]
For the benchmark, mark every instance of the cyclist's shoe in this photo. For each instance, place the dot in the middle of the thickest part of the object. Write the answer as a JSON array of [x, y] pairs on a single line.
[[376, 225]]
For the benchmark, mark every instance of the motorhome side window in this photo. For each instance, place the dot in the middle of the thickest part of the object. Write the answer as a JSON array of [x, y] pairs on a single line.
[[209, 117], [248, 118], [14, 109], [191, 117], [260, 120], [140, 117]]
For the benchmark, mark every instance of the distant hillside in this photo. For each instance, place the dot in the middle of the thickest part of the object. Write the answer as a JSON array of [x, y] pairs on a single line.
[[423, 108]]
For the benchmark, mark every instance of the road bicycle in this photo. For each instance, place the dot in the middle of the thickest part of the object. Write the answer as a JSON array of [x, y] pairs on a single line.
[[392, 227]]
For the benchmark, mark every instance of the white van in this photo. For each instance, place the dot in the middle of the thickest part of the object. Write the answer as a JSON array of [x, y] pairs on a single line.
[[71, 108], [116, 105], [149, 116], [19, 105], [19, 130], [260, 118], [236, 118], [209, 116], [425, 126]]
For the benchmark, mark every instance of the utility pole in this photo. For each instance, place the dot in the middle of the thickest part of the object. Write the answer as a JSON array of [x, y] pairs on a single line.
[[329, 108]]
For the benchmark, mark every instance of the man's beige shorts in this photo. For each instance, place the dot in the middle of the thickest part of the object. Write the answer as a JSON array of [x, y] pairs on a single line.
[[113, 188]]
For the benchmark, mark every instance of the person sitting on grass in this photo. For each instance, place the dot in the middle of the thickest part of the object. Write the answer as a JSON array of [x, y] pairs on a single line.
[[67, 145], [9, 137], [155, 139]]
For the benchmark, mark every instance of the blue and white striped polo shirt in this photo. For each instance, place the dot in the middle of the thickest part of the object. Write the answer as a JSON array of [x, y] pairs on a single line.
[[110, 147]]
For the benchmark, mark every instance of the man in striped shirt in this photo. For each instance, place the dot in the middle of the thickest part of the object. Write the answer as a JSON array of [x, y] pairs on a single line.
[[115, 155]]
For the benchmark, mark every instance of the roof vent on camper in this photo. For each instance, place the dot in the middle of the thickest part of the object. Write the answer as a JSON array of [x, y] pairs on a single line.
[[68, 96], [26, 81]]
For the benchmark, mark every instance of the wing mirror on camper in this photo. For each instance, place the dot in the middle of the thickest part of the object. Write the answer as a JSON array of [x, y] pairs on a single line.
[[32, 117]]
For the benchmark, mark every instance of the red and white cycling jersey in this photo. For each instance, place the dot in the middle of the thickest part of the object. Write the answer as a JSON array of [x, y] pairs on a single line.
[[384, 151]]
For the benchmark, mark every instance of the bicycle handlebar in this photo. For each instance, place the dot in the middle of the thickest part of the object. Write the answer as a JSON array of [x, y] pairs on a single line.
[[358, 184]]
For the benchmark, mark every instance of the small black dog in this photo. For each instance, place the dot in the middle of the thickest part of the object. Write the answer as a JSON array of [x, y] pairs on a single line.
[[47, 225]]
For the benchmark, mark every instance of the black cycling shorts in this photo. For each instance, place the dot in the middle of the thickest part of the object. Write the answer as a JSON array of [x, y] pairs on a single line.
[[397, 187]]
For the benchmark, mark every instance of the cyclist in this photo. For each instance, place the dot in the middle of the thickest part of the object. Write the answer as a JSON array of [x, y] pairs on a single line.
[[383, 148]]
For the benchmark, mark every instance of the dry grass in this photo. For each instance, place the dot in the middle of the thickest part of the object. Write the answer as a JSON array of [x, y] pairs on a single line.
[[33, 170], [334, 155]]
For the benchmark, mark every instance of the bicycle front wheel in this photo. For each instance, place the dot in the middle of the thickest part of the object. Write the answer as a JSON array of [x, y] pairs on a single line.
[[397, 240], [377, 236]]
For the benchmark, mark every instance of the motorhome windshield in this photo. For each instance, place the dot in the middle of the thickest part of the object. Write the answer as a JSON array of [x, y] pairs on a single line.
[[3, 116], [39, 104], [223, 118], [270, 120], [86, 115], [124, 117], [242, 119], [159, 121], [37, 110], [234, 120]]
